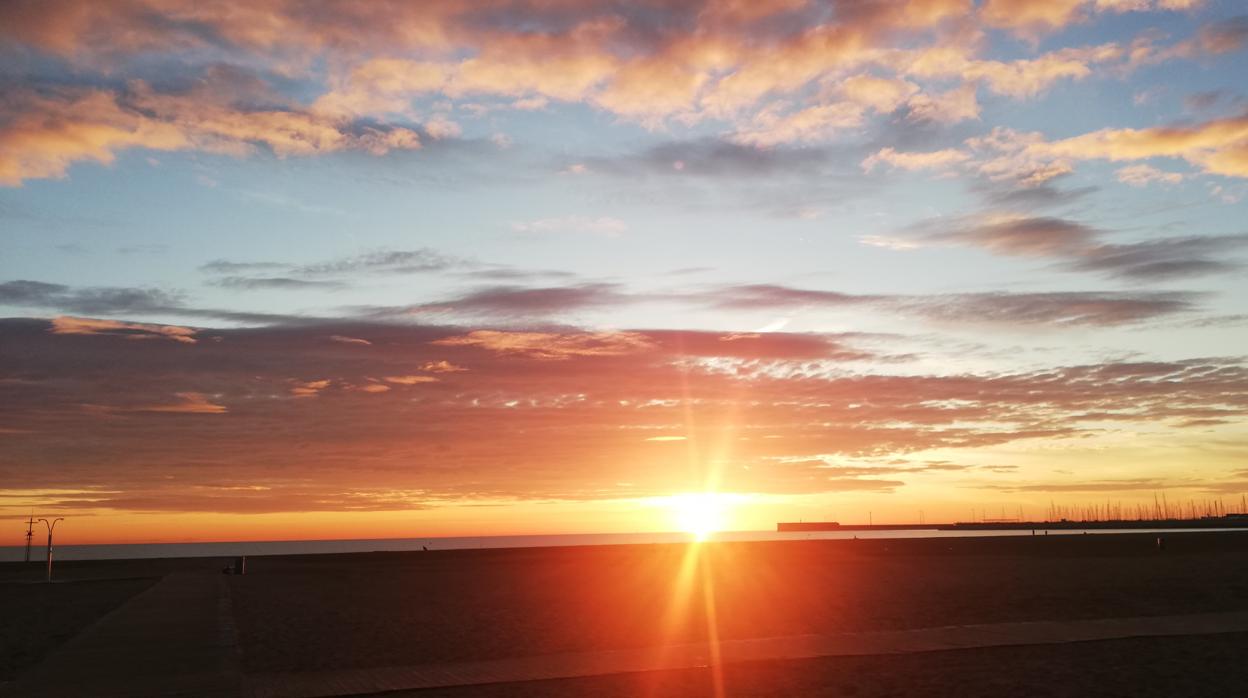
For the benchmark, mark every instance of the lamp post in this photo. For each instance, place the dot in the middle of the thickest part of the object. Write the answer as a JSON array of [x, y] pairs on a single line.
[[30, 534], [51, 526]]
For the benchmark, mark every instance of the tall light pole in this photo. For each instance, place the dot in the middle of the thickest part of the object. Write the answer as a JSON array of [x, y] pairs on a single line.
[[51, 527], [30, 533]]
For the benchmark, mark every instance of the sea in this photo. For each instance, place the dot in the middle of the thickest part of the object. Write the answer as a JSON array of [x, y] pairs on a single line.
[[228, 550]]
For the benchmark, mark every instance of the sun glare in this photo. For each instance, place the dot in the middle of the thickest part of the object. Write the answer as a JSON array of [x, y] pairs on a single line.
[[701, 513]]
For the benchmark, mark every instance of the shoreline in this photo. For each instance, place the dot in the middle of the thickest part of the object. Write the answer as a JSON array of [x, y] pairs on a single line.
[[10, 555], [972, 543]]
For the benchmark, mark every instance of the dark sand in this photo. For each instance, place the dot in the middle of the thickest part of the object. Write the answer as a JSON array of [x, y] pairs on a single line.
[[1210, 665], [38, 617], [327, 612], [384, 609]]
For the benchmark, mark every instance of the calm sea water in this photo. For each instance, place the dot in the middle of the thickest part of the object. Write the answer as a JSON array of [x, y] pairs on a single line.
[[306, 547]]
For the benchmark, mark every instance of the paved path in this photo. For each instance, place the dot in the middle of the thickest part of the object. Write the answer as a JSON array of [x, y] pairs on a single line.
[[174, 639], [559, 666]]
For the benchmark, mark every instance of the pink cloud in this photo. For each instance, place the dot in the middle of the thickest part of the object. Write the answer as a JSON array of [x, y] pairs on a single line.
[[547, 345], [65, 324], [188, 403], [411, 380]]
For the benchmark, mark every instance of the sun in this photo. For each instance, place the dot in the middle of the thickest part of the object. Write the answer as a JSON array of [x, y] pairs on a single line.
[[700, 513]]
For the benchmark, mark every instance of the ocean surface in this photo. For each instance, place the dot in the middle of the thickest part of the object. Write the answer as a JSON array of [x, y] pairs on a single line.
[[312, 547]]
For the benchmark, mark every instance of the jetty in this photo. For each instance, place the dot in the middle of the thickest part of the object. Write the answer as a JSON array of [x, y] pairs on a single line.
[[1229, 521]]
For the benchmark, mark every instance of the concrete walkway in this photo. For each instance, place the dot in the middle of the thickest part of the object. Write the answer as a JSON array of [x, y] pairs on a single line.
[[559, 666], [174, 639]]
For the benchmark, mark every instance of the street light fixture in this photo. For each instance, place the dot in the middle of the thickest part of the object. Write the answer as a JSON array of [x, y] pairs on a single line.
[[51, 527], [30, 533]]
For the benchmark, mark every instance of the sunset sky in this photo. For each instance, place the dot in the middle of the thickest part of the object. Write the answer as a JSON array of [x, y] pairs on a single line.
[[283, 269]]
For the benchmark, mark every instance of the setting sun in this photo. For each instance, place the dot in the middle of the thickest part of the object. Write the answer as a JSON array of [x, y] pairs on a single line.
[[701, 513]]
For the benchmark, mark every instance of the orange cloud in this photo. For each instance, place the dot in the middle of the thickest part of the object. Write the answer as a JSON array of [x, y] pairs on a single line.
[[735, 11], [881, 94], [1143, 175], [1031, 15], [441, 367], [1002, 155], [43, 135], [1022, 78], [1006, 154], [221, 127], [721, 66], [191, 403], [88, 31], [798, 75], [382, 86], [934, 160], [787, 67], [1027, 78], [773, 127], [309, 388], [411, 380], [65, 324], [372, 388], [1217, 147], [549, 345], [562, 67], [652, 89], [958, 104]]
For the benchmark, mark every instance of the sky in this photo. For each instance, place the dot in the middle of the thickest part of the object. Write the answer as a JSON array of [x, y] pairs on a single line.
[[277, 269]]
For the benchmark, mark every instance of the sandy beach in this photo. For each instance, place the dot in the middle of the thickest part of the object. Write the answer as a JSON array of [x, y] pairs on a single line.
[[388, 609], [340, 612], [1149, 667]]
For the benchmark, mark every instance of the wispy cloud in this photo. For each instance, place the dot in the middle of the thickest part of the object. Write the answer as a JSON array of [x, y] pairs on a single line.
[[131, 330], [519, 301], [1076, 246], [383, 261], [225, 266], [252, 283], [250, 276], [1055, 309], [187, 403], [61, 298], [556, 346], [601, 225], [514, 303]]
